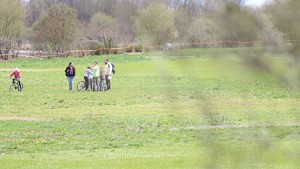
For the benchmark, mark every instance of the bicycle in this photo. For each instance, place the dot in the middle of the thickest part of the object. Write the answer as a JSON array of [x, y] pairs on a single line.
[[81, 86], [16, 85]]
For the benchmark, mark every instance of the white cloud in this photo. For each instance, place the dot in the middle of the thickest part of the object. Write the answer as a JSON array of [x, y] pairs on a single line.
[[256, 3]]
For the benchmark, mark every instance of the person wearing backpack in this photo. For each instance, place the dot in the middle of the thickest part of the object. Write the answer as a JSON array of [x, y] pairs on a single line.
[[70, 73], [108, 74]]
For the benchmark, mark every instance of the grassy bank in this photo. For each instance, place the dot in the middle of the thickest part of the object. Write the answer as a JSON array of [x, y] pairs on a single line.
[[158, 115]]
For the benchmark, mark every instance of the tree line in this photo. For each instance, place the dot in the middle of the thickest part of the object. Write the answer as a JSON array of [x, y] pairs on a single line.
[[60, 25]]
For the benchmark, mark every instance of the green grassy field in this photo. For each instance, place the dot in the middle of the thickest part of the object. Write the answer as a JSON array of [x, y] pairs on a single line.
[[197, 108]]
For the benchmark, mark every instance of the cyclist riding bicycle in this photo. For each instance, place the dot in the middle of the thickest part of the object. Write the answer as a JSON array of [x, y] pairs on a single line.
[[17, 76]]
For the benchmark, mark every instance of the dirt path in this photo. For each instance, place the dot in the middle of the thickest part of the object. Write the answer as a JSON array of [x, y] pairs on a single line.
[[207, 127], [204, 127], [20, 118], [31, 70]]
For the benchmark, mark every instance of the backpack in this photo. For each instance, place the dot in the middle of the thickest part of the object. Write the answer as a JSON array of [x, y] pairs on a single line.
[[68, 73], [113, 68]]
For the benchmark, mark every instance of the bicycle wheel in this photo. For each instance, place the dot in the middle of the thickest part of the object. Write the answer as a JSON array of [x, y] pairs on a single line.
[[13, 87], [81, 86], [20, 88]]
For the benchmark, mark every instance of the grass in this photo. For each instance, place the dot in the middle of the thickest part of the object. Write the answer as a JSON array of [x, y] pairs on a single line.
[[153, 116]]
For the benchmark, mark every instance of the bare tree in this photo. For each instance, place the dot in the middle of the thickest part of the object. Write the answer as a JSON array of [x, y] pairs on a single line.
[[155, 25], [57, 27], [11, 24]]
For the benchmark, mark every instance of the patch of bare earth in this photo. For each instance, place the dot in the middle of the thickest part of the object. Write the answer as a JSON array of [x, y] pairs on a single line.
[[20, 118], [238, 126], [243, 126], [32, 70]]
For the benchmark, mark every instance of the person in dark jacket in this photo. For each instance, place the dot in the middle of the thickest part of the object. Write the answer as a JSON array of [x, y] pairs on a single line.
[[70, 73]]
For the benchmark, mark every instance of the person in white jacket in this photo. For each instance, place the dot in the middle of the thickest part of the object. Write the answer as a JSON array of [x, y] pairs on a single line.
[[108, 74], [96, 75]]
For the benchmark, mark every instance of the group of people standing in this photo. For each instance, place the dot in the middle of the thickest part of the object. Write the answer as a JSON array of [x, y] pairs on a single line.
[[92, 75]]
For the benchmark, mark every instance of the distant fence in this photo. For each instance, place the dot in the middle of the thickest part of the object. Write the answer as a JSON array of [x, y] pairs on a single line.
[[136, 48]]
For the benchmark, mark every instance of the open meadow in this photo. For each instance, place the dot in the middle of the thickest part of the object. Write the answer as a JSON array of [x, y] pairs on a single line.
[[195, 108]]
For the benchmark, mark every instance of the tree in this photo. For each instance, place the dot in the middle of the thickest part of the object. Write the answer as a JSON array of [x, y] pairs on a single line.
[[34, 10], [285, 15], [125, 14], [155, 25], [11, 24], [203, 29], [57, 27], [103, 28], [236, 23], [102, 20]]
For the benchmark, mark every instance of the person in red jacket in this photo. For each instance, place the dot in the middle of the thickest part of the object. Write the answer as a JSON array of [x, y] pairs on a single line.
[[17, 75]]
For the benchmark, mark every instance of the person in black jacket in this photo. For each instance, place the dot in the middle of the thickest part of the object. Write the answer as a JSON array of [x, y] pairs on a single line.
[[70, 73]]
